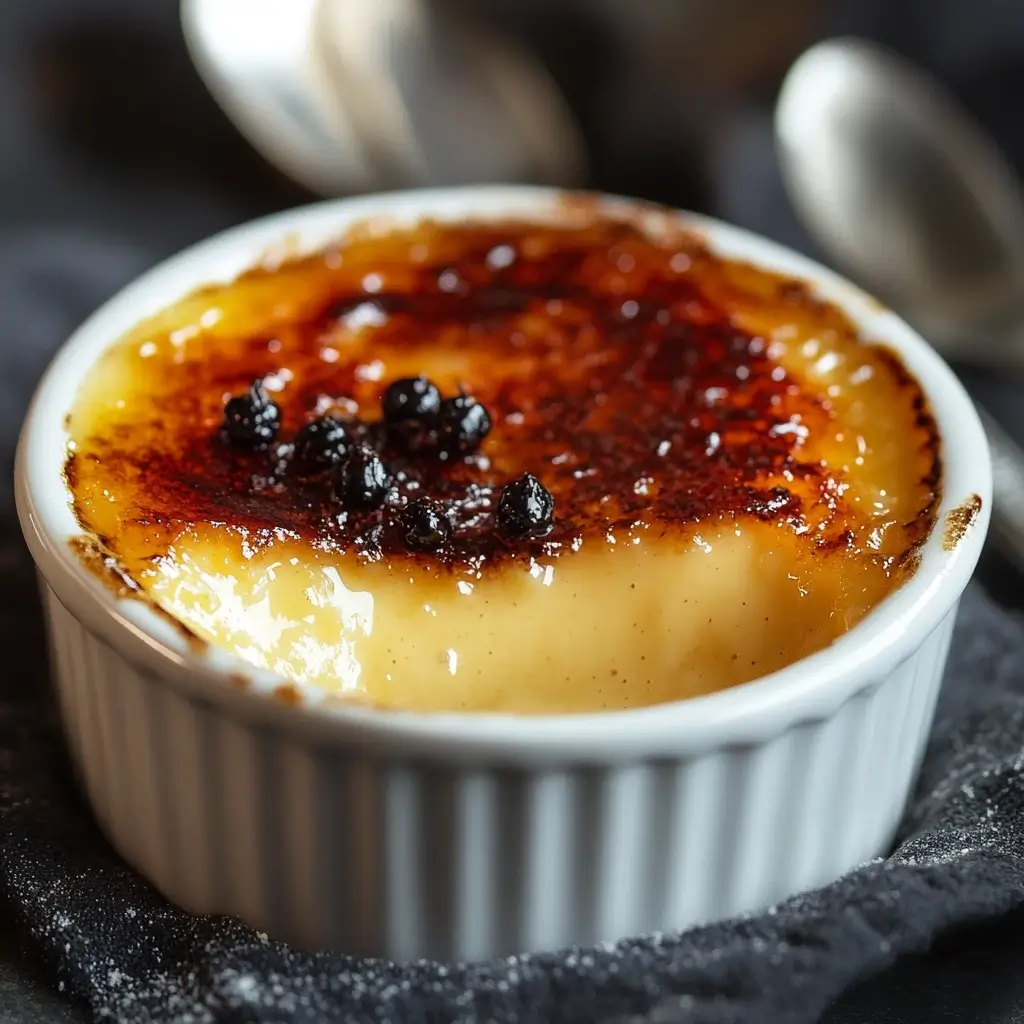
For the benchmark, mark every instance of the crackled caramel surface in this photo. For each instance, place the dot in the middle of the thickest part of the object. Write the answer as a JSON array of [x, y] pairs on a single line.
[[738, 478]]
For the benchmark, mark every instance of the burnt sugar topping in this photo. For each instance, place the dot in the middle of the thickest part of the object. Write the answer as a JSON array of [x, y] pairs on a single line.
[[448, 401], [585, 357]]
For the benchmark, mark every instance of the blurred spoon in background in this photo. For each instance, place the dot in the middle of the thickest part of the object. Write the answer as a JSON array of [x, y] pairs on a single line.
[[907, 195], [350, 97], [906, 191]]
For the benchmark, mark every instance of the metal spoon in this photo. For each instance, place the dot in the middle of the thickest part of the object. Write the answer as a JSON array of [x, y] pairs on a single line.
[[907, 194], [347, 97], [902, 186]]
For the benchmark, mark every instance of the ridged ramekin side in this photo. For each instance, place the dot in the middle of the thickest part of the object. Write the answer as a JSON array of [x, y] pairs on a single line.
[[374, 855]]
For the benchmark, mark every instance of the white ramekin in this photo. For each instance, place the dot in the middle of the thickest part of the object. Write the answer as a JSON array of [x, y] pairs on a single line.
[[455, 836]]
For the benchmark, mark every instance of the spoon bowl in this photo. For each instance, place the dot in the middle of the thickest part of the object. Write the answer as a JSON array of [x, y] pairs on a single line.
[[356, 97], [907, 193]]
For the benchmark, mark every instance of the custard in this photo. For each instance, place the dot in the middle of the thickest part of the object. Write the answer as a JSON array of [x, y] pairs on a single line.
[[737, 478]]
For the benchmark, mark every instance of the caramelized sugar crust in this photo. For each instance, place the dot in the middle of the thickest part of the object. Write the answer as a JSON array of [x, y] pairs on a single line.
[[650, 385], [738, 478]]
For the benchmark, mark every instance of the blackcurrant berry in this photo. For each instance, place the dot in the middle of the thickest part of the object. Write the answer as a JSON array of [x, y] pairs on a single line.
[[462, 425], [426, 525], [363, 480], [411, 398], [525, 508], [252, 420], [321, 444]]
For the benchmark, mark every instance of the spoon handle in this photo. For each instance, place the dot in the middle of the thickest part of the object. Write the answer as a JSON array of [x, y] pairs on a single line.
[[1007, 489]]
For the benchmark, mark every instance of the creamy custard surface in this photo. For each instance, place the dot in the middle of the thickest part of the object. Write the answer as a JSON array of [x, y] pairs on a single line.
[[738, 477]]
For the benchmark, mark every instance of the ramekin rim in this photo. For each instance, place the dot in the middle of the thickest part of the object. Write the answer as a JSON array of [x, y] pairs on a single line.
[[811, 688]]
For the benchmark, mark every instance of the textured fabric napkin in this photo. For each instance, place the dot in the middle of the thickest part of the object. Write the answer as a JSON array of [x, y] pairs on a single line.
[[119, 948]]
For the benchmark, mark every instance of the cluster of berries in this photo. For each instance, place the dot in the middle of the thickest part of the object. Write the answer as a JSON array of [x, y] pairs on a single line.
[[417, 420]]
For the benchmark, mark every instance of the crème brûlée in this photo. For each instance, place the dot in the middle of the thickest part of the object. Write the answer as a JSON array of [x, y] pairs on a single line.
[[551, 468]]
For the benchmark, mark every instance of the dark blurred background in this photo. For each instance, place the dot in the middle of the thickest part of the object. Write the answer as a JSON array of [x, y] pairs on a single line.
[[113, 155]]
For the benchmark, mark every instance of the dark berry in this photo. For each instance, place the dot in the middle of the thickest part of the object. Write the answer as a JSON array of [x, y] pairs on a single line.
[[426, 525], [321, 444], [410, 436], [251, 420], [525, 508], [462, 425], [411, 398], [363, 480]]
